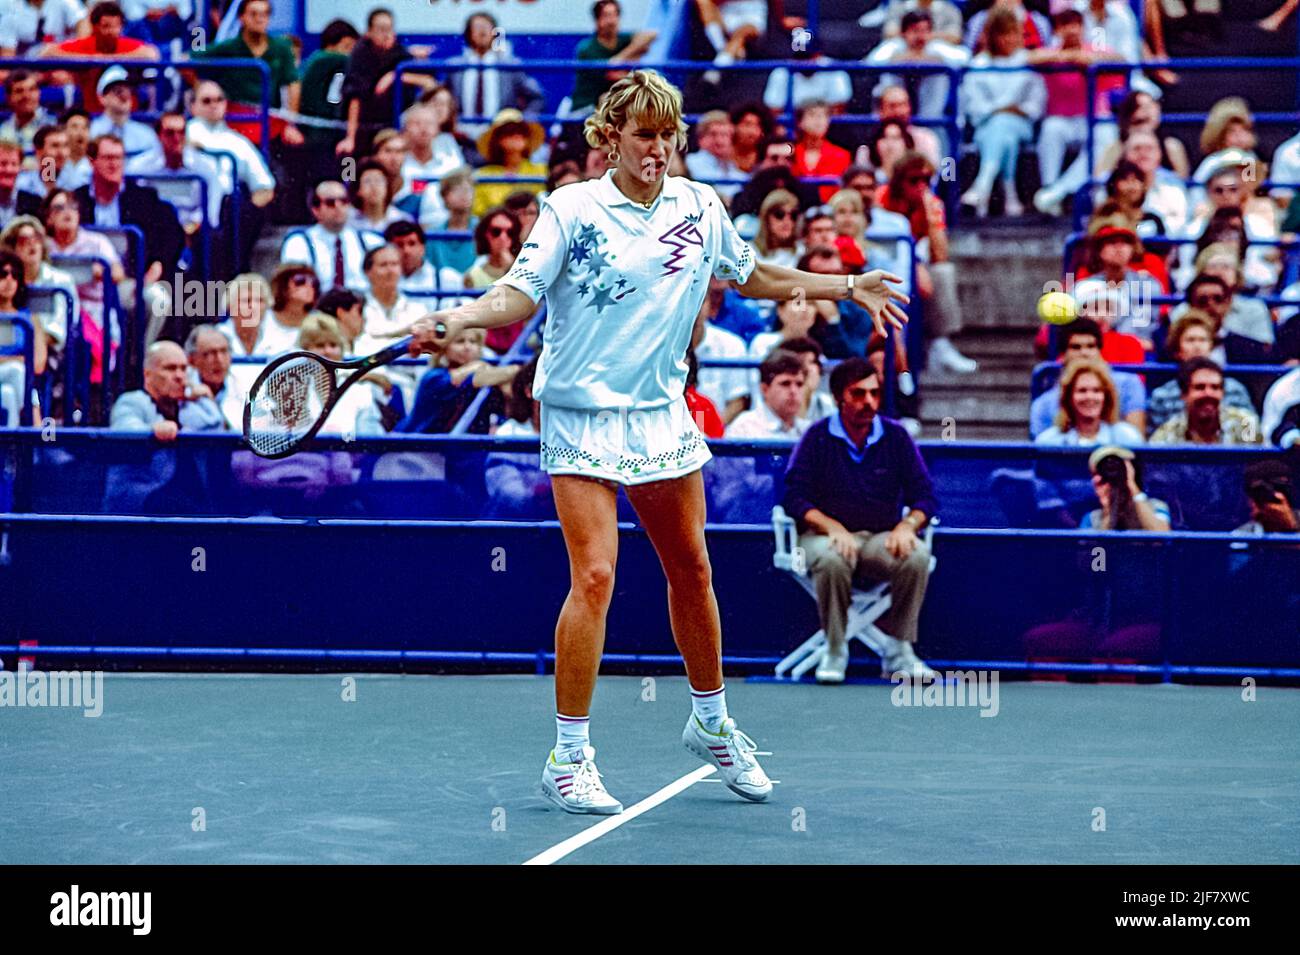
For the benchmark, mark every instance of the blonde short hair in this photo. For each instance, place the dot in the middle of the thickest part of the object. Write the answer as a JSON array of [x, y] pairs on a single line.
[[1070, 377], [848, 197], [641, 95], [318, 329]]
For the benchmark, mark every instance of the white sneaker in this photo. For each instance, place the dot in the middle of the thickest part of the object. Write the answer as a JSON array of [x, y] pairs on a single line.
[[904, 660], [576, 787], [943, 354], [832, 667], [732, 752], [1012, 207], [1046, 202]]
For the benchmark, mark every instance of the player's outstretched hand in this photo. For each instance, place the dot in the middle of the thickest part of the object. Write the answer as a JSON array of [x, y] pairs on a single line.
[[883, 302], [431, 333]]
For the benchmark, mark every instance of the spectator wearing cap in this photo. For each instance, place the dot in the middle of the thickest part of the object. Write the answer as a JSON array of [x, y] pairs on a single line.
[[1081, 340], [814, 154], [607, 45], [1270, 490], [175, 158], [1113, 248], [715, 159], [846, 484], [1205, 419], [26, 25], [1088, 412], [1124, 505], [243, 88], [486, 92], [332, 247], [418, 273], [1280, 420], [13, 200], [507, 146], [27, 115], [1230, 195], [110, 201], [116, 94], [778, 414], [105, 41], [1192, 336], [915, 44]]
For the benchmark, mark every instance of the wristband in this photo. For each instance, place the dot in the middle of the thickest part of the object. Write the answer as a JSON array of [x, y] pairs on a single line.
[[1139, 497], [850, 278]]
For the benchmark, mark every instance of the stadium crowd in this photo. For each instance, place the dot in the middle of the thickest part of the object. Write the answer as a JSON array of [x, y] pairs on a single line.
[[380, 219]]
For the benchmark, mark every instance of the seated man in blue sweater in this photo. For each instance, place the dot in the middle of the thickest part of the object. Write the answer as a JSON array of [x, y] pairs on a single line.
[[845, 486]]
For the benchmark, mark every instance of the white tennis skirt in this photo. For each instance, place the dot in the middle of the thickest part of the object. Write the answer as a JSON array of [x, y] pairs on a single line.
[[621, 445]]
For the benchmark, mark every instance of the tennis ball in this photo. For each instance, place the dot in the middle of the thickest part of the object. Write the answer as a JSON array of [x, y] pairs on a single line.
[[1057, 308]]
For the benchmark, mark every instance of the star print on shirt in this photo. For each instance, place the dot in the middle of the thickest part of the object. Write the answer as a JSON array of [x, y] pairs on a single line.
[[601, 299], [598, 263], [579, 253]]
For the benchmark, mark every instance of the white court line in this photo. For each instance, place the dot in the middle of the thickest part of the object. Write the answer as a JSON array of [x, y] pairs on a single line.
[[557, 852]]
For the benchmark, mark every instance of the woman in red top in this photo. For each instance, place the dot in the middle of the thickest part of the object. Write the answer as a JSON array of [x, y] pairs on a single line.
[[814, 154], [702, 410]]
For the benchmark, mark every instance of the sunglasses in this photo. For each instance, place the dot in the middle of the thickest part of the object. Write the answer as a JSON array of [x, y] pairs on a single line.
[[782, 214], [497, 231], [8, 272], [334, 201], [1224, 190], [211, 99], [60, 207], [1202, 300], [916, 180], [302, 278]]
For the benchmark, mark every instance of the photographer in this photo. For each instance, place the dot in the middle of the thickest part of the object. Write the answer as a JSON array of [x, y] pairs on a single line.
[[1123, 504], [1272, 500]]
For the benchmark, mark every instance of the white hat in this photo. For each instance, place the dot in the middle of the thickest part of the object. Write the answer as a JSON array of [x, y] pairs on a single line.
[[114, 74]]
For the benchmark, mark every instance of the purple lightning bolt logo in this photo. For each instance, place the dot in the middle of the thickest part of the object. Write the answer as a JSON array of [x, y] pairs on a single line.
[[678, 238]]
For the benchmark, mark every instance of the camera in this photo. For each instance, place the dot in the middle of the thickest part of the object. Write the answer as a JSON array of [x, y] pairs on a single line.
[[1112, 469], [1264, 492]]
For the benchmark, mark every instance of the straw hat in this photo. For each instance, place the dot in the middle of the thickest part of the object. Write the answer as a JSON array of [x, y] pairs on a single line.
[[505, 119]]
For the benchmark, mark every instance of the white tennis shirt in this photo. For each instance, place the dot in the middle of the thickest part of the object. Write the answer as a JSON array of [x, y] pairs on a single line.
[[623, 285]]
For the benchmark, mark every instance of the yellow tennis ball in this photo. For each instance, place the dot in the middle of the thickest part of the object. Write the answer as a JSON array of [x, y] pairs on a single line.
[[1057, 308]]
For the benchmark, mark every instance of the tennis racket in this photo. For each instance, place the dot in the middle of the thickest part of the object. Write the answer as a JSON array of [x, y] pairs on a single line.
[[295, 393]]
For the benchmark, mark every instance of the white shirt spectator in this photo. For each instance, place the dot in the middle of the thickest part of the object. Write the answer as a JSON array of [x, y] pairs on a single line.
[[136, 9], [315, 246], [1120, 29], [136, 137], [985, 92], [188, 203], [828, 86], [1285, 167], [1282, 394], [429, 279], [704, 167], [385, 323], [1168, 199], [446, 157], [250, 167], [762, 423], [1121, 433], [55, 321], [721, 385], [357, 412], [274, 337], [932, 93], [58, 19]]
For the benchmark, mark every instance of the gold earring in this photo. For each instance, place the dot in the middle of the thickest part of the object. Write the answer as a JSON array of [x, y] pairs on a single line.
[[614, 156]]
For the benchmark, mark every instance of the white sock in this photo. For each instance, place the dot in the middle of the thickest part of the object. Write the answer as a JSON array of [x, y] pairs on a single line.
[[710, 707], [714, 32], [572, 733]]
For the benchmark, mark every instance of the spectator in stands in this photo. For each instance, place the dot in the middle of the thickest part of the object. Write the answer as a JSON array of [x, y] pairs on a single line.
[[832, 87], [450, 385], [13, 200], [1245, 324], [387, 311], [1089, 409], [1034, 29], [731, 26], [848, 210], [1271, 493], [1113, 248], [243, 88], [776, 417], [1285, 170], [1124, 505], [1001, 106], [606, 45], [1081, 340], [417, 273], [886, 144], [26, 25], [247, 298], [1228, 135], [25, 237], [208, 352], [27, 115], [1280, 421], [846, 328], [845, 485], [1105, 306], [431, 153], [752, 123], [168, 403], [13, 373], [562, 173], [507, 145], [157, 21], [76, 123], [115, 93], [175, 157], [358, 411], [332, 247], [1192, 336], [714, 159], [61, 213], [794, 322], [526, 209], [321, 84], [105, 41], [1231, 201], [703, 411], [1140, 112], [814, 154], [367, 102], [345, 306], [388, 149], [487, 92], [774, 171], [894, 102], [517, 487], [109, 201], [1127, 190], [817, 400], [457, 192], [497, 241], [372, 199], [725, 388], [778, 229], [1065, 124], [1205, 419], [50, 161], [916, 44], [945, 17], [294, 291]]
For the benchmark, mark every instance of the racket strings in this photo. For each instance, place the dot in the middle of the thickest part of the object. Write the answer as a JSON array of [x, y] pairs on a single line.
[[287, 404]]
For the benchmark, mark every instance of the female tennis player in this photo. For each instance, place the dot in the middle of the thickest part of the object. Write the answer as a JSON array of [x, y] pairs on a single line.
[[624, 262]]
